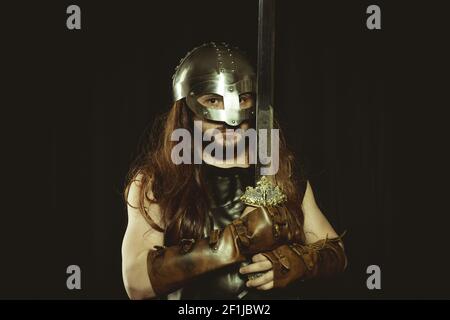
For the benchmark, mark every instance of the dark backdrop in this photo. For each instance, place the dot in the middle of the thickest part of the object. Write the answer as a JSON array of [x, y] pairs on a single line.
[[348, 99]]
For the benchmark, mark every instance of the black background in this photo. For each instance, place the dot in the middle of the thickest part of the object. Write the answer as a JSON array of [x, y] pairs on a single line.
[[362, 109]]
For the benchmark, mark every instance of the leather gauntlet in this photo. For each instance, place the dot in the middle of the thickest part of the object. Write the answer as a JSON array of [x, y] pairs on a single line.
[[293, 262], [262, 229]]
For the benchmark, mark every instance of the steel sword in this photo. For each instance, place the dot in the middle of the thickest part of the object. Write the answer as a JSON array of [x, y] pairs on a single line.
[[264, 193]]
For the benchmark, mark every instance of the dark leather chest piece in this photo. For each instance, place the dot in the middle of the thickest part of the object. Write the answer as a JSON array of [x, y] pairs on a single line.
[[225, 187]]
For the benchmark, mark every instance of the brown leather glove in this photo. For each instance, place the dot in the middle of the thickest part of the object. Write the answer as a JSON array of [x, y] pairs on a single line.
[[262, 229], [293, 262]]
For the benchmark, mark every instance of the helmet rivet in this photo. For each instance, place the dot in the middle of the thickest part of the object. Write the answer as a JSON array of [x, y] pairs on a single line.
[[230, 89], [232, 121]]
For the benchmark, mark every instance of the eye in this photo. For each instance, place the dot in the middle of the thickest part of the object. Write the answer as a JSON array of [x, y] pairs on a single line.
[[211, 101], [246, 100]]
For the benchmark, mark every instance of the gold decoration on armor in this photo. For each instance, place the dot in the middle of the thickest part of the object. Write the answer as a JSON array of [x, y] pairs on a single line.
[[265, 194]]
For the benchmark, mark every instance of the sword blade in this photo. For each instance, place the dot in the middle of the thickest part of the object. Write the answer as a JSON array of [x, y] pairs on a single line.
[[265, 76]]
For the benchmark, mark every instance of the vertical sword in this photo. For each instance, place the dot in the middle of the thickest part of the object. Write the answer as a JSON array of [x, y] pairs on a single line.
[[264, 77], [264, 193]]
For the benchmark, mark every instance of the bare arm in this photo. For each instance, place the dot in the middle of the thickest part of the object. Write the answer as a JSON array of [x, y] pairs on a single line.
[[139, 238], [316, 225]]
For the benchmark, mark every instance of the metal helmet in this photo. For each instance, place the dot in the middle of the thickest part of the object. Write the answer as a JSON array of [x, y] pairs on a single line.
[[215, 68]]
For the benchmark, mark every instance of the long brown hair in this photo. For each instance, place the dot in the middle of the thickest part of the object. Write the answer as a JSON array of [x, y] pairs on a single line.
[[181, 195]]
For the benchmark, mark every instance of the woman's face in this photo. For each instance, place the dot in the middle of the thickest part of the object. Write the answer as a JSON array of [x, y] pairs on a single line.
[[215, 101]]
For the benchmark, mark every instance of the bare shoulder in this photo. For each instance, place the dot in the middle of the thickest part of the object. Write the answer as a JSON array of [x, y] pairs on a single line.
[[135, 197], [139, 238], [316, 225], [308, 198]]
